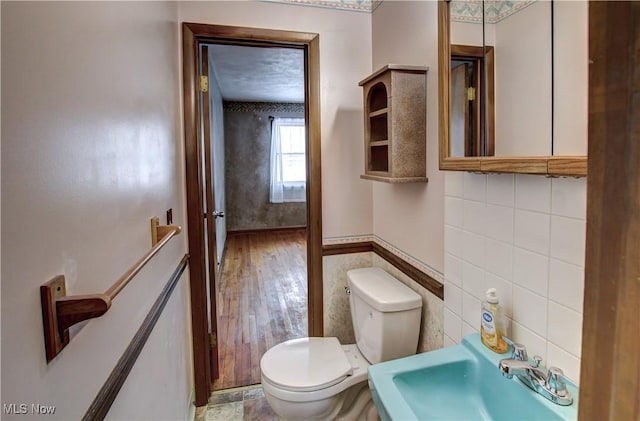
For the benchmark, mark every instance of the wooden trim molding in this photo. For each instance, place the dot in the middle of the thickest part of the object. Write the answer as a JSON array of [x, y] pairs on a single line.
[[109, 391], [195, 225], [263, 230], [426, 281], [569, 166], [194, 35], [610, 370], [314, 185], [347, 248], [444, 82]]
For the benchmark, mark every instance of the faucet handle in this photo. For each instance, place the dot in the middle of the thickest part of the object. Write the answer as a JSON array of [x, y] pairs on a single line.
[[537, 360], [554, 381], [519, 352]]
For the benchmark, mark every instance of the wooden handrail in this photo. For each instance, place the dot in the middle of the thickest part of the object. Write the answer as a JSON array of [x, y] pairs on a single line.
[[60, 312], [165, 233]]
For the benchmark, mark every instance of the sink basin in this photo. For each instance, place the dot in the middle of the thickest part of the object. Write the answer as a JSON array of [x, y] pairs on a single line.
[[460, 382]]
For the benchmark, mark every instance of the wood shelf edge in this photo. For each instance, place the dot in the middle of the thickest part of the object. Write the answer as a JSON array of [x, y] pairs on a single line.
[[563, 166], [379, 143], [379, 112], [460, 164], [523, 165], [570, 166], [394, 180]]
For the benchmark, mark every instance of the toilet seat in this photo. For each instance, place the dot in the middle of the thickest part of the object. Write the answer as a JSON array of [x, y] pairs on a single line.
[[306, 364], [357, 362]]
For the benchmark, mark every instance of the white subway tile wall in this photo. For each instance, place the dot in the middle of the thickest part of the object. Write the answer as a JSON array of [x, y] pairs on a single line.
[[533, 193], [499, 259], [455, 215], [474, 188], [453, 297], [500, 190], [532, 231], [452, 325], [523, 235]]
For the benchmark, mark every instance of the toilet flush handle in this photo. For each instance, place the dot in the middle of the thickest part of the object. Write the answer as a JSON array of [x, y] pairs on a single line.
[[347, 290]]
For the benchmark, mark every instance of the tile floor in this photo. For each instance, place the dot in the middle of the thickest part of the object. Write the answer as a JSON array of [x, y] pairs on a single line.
[[238, 404]]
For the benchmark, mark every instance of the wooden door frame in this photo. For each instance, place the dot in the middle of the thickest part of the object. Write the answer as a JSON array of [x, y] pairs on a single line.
[[193, 35], [610, 369]]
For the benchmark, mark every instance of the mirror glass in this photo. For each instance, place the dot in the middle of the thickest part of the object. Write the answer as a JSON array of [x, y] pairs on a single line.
[[519, 78], [501, 78]]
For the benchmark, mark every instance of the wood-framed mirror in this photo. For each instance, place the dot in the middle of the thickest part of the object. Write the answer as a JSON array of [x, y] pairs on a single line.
[[480, 128]]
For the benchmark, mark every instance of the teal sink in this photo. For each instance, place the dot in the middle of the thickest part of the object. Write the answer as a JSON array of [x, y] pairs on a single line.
[[460, 382]]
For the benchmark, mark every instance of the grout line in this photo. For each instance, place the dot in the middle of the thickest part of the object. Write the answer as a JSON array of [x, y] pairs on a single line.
[[236, 389], [566, 261], [566, 307], [549, 268], [562, 349], [531, 291], [513, 256]]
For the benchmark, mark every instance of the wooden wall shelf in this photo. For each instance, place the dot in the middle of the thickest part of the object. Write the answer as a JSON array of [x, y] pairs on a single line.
[[395, 124], [60, 311]]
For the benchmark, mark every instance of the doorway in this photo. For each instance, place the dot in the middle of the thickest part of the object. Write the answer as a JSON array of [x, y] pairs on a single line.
[[257, 131], [203, 301]]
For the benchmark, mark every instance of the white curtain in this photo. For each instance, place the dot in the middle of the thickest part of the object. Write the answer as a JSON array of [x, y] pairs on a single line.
[[280, 191]]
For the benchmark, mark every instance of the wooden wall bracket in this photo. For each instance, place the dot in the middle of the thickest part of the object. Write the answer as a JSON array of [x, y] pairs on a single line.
[[60, 311]]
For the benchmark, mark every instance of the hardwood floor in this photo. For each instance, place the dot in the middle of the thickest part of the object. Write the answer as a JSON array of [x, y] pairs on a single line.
[[262, 301]]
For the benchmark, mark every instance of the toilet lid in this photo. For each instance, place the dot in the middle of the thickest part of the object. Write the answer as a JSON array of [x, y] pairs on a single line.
[[306, 364]]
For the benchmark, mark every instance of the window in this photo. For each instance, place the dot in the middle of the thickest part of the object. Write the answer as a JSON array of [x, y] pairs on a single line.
[[288, 163]]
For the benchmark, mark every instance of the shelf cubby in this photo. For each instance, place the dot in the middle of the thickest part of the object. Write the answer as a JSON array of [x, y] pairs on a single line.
[[395, 124]]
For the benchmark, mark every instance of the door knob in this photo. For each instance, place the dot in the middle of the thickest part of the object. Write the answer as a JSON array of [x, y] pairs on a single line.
[[218, 214]]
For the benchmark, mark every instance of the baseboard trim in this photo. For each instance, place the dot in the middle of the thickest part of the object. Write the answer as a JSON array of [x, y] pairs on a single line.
[[426, 281], [270, 229]]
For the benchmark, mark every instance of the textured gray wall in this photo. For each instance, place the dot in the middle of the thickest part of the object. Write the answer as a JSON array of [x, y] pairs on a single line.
[[247, 134]]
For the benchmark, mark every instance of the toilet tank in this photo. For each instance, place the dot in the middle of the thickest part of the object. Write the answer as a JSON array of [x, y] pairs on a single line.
[[385, 314]]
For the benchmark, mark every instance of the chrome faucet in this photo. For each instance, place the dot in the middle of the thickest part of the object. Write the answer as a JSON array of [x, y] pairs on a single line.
[[548, 383]]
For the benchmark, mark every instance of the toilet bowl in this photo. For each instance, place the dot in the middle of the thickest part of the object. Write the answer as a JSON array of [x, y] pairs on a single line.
[[318, 378], [305, 378]]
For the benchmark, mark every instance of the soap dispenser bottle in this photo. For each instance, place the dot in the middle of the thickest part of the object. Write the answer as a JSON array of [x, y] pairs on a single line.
[[492, 323]]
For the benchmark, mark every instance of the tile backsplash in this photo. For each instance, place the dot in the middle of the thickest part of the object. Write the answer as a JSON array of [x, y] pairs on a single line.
[[525, 236]]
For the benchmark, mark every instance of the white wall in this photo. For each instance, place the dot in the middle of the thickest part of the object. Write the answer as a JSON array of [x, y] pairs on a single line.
[[345, 58], [91, 150], [411, 216]]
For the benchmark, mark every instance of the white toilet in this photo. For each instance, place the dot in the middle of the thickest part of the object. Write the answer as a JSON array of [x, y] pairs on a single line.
[[317, 378]]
